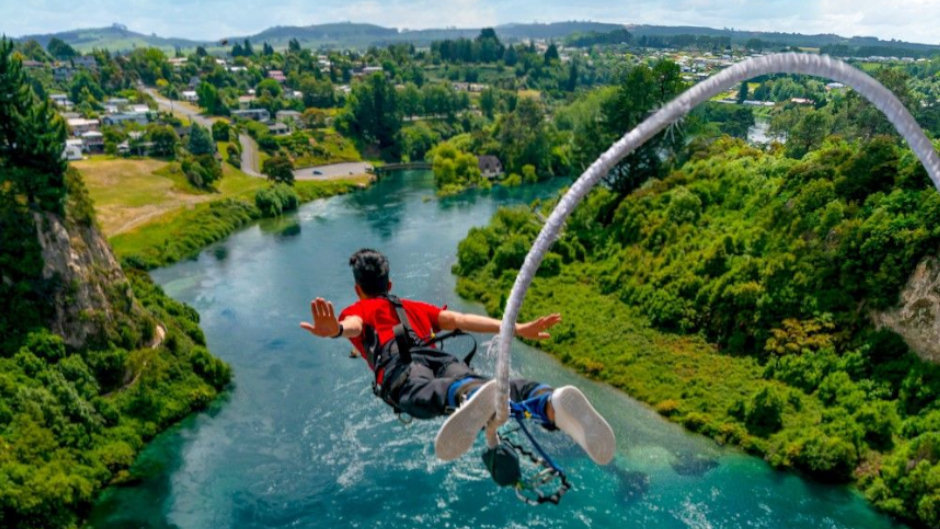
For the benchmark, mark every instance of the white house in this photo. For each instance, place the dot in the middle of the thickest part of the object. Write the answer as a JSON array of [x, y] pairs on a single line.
[[190, 95], [490, 166], [73, 149], [78, 126]]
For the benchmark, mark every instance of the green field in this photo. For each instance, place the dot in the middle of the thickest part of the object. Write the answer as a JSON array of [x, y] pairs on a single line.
[[152, 216]]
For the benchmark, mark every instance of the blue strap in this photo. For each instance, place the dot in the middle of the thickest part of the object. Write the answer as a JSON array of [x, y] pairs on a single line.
[[452, 390], [538, 448], [533, 407]]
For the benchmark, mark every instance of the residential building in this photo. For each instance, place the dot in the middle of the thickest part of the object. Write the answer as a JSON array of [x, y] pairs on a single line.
[[190, 95], [73, 149], [277, 75], [490, 166], [245, 102], [93, 141], [257, 114], [139, 108], [79, 126], [85, 61], [278, 129], [141, 118], [62, 73], [61, 101], [286, 116]]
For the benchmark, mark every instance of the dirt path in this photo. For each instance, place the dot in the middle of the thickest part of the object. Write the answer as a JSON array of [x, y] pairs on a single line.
[[159, 336]]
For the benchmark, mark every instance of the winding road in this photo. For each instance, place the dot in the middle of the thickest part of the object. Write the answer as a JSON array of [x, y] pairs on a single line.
[[251, 164]]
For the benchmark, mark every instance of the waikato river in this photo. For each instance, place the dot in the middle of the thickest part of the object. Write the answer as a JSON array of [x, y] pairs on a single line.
[[301, 442]]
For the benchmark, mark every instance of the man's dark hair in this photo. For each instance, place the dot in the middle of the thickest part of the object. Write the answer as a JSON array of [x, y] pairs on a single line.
[[370, 268]]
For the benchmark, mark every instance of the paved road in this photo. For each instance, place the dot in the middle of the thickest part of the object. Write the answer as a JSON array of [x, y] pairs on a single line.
[[176, 107], [249, 147], [336, 170], [250, 159], [250, 164]]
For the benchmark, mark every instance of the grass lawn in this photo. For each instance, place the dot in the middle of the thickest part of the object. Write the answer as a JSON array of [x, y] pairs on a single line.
[[147, 208], [129, 193]]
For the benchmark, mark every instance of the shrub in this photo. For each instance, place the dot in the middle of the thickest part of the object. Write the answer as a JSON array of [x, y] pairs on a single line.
[[276, 200]]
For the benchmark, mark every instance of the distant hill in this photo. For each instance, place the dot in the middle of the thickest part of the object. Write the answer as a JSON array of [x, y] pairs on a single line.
[[351, 34], [787, 39], [359, 35], [115, 38]]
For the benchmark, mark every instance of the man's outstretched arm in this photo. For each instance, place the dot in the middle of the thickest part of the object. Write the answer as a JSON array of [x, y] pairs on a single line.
[[533, 330], [325, 324]]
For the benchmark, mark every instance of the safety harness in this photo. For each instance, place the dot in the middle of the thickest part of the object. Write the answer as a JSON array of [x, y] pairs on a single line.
[[406, 345], [502, 461]]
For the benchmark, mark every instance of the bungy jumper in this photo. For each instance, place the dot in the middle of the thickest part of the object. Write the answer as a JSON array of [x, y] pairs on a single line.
[[499, 457]]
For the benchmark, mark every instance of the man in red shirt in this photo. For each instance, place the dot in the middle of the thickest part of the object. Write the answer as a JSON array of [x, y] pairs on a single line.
[[434, 383]]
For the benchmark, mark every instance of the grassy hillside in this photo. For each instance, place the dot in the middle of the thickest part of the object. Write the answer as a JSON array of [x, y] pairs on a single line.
[[114, 38]]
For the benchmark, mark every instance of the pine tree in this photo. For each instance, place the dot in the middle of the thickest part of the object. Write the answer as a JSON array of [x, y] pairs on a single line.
[[200, 141], [15, 98], [32, 138]]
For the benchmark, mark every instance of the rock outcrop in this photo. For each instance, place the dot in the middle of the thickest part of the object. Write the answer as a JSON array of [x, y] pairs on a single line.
[[92, 298], [917, 317]]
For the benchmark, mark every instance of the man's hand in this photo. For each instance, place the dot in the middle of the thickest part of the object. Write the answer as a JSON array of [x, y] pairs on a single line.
[[325, 324], [535, 329]]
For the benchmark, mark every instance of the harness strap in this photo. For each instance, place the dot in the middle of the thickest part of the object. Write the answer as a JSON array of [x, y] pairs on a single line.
[[403, 332]]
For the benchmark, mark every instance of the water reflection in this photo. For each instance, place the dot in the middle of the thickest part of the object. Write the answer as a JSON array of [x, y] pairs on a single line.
[[632, 485], [689, 464]]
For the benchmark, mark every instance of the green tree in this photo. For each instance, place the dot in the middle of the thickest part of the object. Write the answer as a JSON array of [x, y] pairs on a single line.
[[551, 53], [268, 87], [317, 93], [200, 141], [742, 92], [488, 102], [640, 91], [60, 50], [372, 112], [32, 138], [221, 131], [164, 138], [524, 137], [209, 98], [279, 169]]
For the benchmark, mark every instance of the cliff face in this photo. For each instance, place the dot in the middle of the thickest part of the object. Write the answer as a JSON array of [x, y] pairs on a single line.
[[917, 317], [92, 299]]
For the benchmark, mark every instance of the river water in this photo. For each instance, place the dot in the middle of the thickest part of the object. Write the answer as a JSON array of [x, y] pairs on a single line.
[[300, 442]]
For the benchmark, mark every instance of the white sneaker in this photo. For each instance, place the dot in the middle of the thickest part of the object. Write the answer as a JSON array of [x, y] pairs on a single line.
[[575, 416], [460, 430]]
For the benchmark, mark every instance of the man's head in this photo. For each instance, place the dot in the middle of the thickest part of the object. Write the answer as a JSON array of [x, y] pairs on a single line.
[[370, 268]]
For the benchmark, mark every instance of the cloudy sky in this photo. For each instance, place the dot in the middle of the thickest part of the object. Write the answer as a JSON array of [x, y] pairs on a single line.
[[911, 20]]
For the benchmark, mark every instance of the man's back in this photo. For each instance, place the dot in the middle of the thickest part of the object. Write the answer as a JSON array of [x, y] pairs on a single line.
[[379, 314]]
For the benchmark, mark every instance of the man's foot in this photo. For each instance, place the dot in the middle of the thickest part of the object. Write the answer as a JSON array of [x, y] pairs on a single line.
[[575, 416], [460, 430]]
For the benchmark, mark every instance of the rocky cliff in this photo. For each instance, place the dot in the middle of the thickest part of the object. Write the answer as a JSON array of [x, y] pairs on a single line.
[[917, 317], [91, 298]]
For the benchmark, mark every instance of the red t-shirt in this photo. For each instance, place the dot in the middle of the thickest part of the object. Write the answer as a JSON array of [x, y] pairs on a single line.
[[379, 314]]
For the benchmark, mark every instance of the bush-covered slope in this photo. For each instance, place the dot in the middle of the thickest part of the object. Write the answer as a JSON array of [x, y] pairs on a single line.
[[734, 297]]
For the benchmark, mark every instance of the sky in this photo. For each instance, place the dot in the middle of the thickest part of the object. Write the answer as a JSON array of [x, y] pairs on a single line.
[[910, 20]]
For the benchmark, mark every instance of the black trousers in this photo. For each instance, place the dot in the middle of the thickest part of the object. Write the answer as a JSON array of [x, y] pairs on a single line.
[[421, 389]]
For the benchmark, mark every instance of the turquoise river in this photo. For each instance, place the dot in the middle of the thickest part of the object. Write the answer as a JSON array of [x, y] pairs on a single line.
[[301, 442]]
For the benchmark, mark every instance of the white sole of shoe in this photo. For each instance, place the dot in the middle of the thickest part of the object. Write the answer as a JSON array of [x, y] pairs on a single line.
[[460, 430], [575, 416]]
